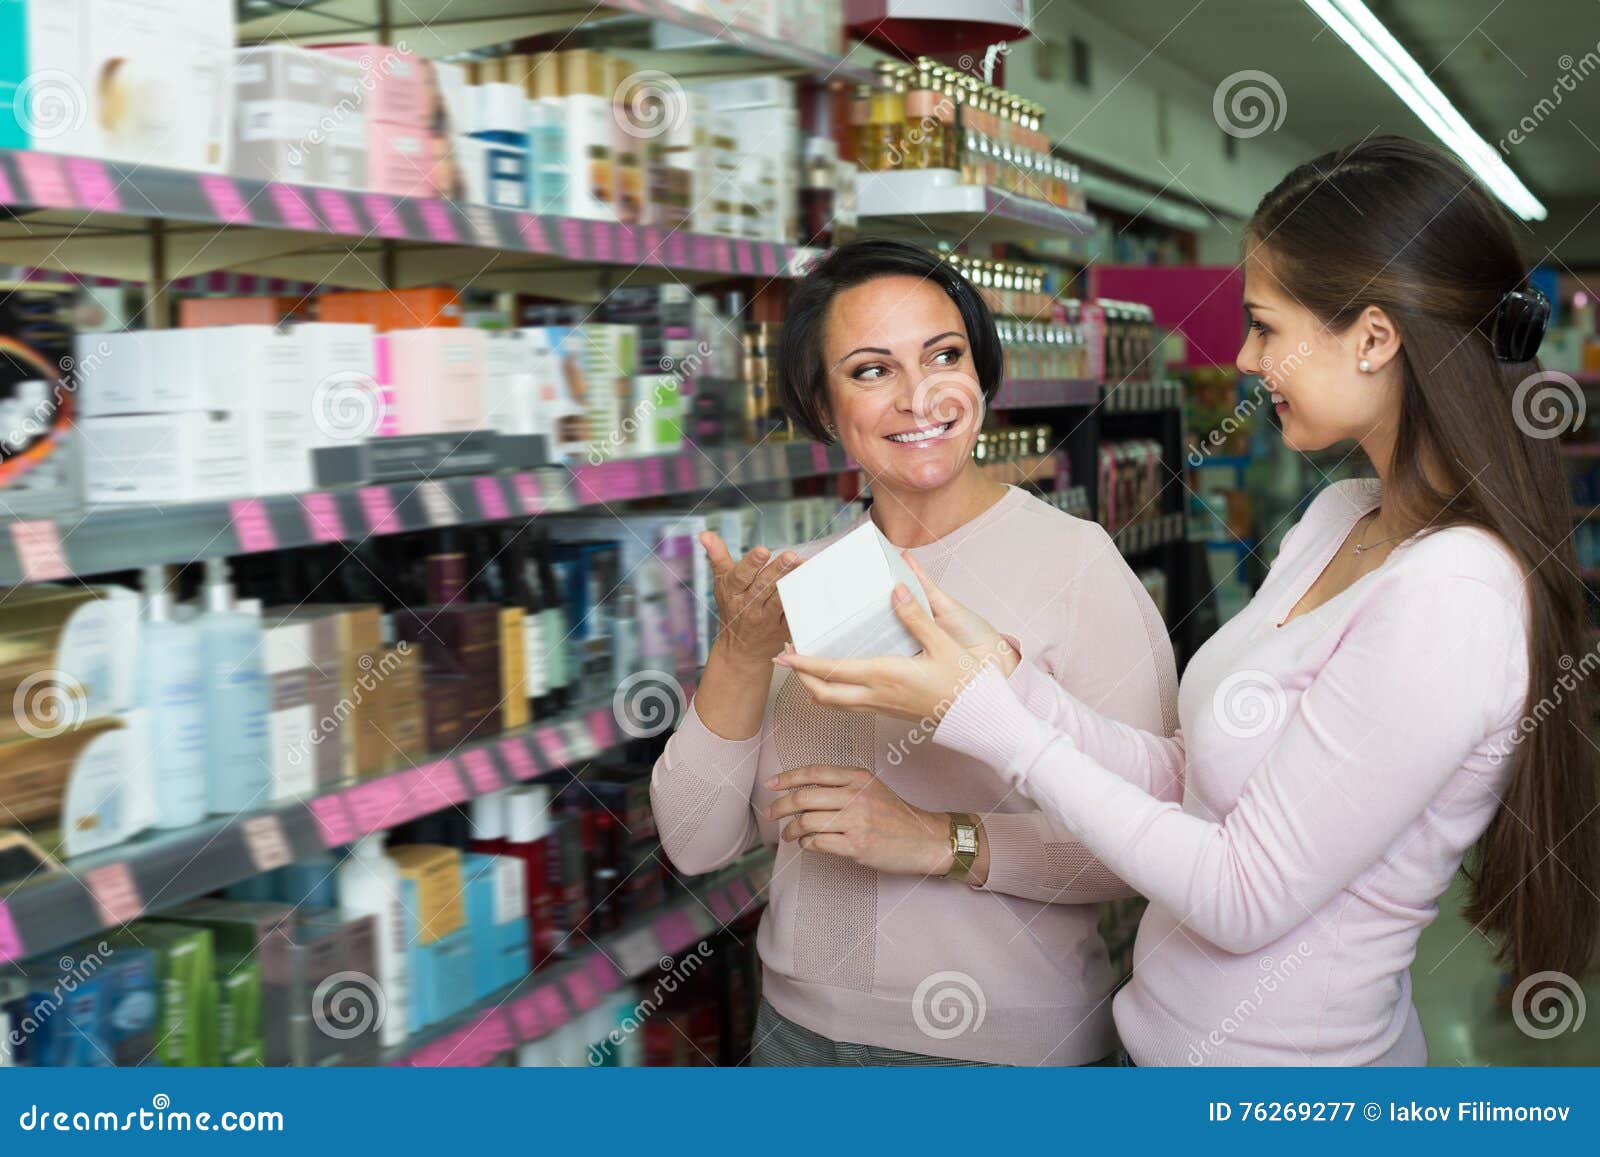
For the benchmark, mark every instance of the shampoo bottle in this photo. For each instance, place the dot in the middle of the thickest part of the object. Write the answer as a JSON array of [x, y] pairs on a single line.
[[171, 691], [236, 696]]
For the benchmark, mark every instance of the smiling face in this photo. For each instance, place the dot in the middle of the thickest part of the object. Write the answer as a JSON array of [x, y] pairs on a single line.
[[1319, 392], [903, 393]]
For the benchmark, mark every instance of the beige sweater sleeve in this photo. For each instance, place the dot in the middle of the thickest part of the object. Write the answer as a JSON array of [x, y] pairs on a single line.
[[700, 790]]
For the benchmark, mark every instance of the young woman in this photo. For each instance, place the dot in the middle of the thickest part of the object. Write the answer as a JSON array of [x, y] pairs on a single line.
[[885, 945], [1394, 694]]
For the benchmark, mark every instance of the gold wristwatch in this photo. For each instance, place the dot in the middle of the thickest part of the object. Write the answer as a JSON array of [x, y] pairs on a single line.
[[963, 845]]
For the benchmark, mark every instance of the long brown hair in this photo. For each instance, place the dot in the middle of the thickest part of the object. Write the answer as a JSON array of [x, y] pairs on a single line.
[[1398, 225]]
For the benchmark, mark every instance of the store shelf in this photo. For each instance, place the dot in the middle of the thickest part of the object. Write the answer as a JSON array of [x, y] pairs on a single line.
[[157, 872], [1038, 393], [96, 218], [1148, 535], [929, 203], [542, 1002], [1142, 397], [112, 538], [437, 28]]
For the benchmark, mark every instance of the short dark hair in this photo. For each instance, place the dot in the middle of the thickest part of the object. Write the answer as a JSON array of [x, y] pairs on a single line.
[[802, 380]]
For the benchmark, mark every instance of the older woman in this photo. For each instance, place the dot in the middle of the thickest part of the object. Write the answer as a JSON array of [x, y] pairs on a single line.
[[936, 917]]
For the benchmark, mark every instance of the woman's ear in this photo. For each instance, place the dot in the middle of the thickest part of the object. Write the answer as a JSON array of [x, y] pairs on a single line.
[[1377, 339]]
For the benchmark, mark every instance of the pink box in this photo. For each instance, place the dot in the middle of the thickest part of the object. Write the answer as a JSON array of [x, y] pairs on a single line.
[[403, 161], [431, 380], [394, 85]]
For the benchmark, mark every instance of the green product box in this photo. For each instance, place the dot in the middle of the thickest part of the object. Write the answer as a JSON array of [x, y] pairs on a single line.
[[239, 1040], [187, 983]]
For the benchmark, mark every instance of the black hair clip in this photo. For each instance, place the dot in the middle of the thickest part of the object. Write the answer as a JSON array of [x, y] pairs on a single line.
[[1519, 325]]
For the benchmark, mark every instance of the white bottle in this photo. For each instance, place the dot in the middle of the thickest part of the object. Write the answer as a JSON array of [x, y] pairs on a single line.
[[171, 691], [369, 885], [236, 696]]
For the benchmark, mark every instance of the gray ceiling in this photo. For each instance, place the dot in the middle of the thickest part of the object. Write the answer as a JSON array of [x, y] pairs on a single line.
[[1495, 59]]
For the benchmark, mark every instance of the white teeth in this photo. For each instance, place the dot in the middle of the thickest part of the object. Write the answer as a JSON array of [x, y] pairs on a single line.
[[1276, 398], [920, 435]]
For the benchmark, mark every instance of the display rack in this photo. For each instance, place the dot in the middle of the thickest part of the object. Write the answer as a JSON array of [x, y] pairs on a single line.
[[542, 1002], [111, 538], [932, 205], [1038, 393], [122, 883]]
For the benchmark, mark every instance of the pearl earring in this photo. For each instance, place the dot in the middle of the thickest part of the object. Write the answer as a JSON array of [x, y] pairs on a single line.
[[1366, 366]]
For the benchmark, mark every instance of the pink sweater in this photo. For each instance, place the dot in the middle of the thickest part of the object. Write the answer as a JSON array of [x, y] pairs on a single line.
[[885, 959], [1335, 771]]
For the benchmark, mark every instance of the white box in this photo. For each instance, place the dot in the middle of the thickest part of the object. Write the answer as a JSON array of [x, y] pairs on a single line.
[[434, 380], [152, 78], [341, 369], [109, 373], [837, 603], [198, 456]]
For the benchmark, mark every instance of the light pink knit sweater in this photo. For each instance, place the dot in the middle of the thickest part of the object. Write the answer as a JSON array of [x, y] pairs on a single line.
[[886, 960], [1335, 771]]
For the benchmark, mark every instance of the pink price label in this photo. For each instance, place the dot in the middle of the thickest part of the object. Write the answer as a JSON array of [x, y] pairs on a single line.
[[553, 744], [436, 219], [322, 516], [603, 973], [46, 180], [39, 553], [628, 244], [602, 727], [703, 255], [652, 245], [677, 250], [518, 758], [115, 893], [747, 262], [724, 257], [819, 458], [251, 525], [552, 1009], [600, 241], [533, 235], [411, 798], [481, 771], [226, 201], [528, 496], [95, 188], [655, 476], [441, 783], [491, 498], [688, 478], [268, 846], [572, 237], [491, 1035], [590, 484], [375, 805], [6, 195], [721, 907], [582, 990], [292, 208], [338, 212], [769, 259], [525, 1017], [378, 504], [384, 215], [333, 821], [739, 893], [11, 947], [675, 931]]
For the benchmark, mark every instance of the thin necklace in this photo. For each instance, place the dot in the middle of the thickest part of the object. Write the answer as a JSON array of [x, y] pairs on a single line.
[[1361, 547]]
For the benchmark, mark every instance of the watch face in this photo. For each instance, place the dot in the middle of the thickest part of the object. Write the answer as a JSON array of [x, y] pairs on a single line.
[[967, 840]]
